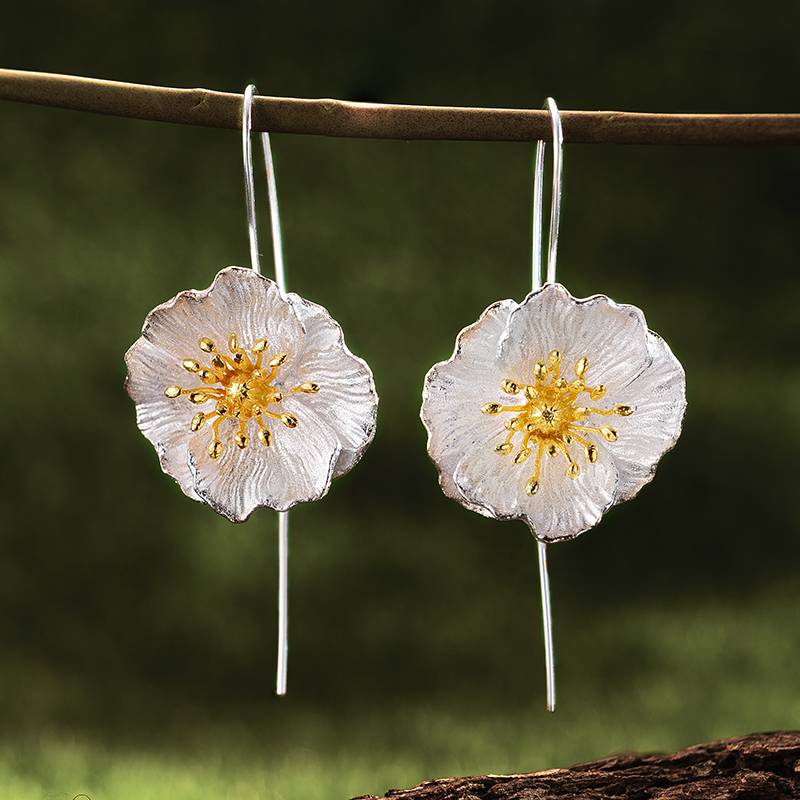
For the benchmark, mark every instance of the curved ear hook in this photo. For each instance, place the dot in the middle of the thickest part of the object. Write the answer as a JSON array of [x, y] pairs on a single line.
[[555, 201], [536, 258], [272, 190], [280, 279]]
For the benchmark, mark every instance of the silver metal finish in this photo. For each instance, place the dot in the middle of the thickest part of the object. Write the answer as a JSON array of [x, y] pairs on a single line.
[[552, 254], [555, 201], [280, 279], [547, 624]]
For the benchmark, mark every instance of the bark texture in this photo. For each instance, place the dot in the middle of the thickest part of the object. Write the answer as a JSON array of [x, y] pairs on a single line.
[[763, 766]]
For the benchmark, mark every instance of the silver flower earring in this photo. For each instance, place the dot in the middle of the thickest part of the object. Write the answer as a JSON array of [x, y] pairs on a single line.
[[553, 409], [248, 393]]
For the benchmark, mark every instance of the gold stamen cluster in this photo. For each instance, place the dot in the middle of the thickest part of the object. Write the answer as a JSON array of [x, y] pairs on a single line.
[[551, 420], [240, 386]]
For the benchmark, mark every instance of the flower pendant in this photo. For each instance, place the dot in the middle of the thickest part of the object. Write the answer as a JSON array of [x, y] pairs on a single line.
[[552, 410], [249, 397]]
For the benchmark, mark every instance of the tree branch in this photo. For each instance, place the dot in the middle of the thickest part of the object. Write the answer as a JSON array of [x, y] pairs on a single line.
[[762, 766], [383, 121]]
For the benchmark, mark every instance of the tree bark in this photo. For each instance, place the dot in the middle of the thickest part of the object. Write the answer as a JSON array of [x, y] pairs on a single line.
[[762, 766]]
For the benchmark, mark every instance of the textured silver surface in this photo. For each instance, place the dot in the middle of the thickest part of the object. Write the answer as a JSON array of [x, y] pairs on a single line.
[[335, 426], [636, 366]]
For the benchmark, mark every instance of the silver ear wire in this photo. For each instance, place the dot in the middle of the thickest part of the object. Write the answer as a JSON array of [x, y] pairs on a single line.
[[280, 279], [536, 261], [555, 200]]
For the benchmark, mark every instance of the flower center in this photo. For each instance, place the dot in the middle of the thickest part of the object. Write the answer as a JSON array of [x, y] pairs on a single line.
[[241, 387], [551, 419]]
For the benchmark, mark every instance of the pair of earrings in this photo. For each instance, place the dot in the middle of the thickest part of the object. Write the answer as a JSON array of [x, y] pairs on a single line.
[[550, 410]]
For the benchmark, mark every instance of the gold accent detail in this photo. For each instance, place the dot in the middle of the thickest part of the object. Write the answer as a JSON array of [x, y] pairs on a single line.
[[609, 434], [523, 455], [550, 420], [241, 389], [509, 386], [307, 388]]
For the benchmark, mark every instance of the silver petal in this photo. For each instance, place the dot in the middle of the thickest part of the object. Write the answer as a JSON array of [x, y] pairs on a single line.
[[162, 420], [563, 507], [612, 335], [658, 397], [347, 401], [454, 391], [296, 468]]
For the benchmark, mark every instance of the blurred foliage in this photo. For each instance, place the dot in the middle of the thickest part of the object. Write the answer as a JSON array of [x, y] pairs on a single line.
[[138, 630]]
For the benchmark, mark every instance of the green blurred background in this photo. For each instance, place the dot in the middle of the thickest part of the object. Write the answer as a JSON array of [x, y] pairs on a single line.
[[138, 630]]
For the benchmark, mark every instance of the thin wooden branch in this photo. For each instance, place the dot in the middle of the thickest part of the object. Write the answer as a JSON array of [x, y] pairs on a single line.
[[763, 766], [383, 121]]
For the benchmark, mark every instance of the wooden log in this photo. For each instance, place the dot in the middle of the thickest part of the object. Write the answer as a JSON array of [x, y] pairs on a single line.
[[762, 766]]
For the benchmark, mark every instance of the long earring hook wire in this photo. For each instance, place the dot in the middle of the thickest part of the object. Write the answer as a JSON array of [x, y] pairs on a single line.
[[536, 263], [280, 279]]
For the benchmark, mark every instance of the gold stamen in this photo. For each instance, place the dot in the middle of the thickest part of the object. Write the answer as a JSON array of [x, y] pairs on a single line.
[[550, 419], [239, 388], [609, 434], [509, 386], [523, 455]]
